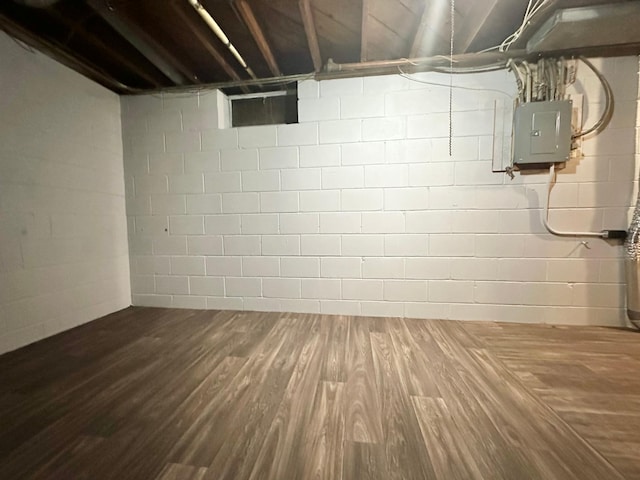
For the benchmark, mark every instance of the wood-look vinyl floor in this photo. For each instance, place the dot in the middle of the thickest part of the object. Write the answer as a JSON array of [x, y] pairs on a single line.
[[183, 394]]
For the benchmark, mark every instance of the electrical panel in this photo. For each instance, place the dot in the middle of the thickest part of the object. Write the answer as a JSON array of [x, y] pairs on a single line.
[[542, 133]]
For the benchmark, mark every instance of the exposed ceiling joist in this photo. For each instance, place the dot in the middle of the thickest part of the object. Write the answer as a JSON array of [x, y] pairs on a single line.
[[145, 44], [116, 54], [425, 42], [364, 30], [217, 56], [312, 36], [258, 35], [474, 22]]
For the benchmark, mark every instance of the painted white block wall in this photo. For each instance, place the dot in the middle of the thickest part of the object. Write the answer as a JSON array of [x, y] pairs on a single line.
[[63, 242], [359, 209]]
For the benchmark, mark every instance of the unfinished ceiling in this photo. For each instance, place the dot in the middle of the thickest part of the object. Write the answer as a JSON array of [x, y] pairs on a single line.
[[141, 45]]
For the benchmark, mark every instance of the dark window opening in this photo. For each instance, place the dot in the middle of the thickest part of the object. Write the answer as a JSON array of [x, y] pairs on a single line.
[[266, 109]]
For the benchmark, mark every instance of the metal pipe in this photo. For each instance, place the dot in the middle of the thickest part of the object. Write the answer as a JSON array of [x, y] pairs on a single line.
[[213, 25]]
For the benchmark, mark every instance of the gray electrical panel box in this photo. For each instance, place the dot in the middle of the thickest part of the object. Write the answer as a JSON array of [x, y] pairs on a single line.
[[542, 133]]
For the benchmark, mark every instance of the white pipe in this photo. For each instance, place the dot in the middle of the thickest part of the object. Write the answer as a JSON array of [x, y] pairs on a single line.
[[213, 25], [545, 217]]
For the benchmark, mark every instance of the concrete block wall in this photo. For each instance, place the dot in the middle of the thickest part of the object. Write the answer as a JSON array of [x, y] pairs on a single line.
[[63, 242], [359, 209]]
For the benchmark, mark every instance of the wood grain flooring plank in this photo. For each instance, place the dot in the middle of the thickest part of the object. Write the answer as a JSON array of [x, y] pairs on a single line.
[[364, 461], [406, 455], [323, 442], [445, 446], [363, 414], [280, 454], [334, 367], [174, 471]]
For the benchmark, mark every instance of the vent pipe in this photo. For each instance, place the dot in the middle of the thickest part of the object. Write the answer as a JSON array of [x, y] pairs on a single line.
[[213, 25]]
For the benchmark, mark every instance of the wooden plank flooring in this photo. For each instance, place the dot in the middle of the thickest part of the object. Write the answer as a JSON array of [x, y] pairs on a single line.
[[183, 394]]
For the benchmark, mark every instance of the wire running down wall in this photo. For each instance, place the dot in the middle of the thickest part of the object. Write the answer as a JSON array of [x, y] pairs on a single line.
[[359, 209]]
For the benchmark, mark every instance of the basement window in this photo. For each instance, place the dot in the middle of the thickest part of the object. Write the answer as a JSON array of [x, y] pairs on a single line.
[[265, 108]]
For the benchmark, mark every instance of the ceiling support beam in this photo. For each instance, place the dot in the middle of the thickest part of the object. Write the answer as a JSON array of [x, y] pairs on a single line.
[[426, 40], [310, 31], [61, 54], [217, 56], [97, 42], [364, 31], [258, 35], [164, 61], [474, 22]]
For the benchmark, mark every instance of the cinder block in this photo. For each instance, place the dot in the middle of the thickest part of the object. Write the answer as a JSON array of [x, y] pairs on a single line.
[[281, 287], [361, 106], [386, 175], [376, 267], [166, 205], [363, 245], [224, 266], [278, 202], [363, 153], [342, 177], [405, 290], [297, 134], [299, 223], [340, 223], [314, 109], [300, 267], [201, 162], [320, 201], [147, 184], [204, 245], [427, 268], [219, 224], [258, 136], [188, 183], [340, 131], [219, 139], [362, 289], [169, 163], [186, 225], [320, 245], [181, 142], [451, 291], [387, 128], [261, 267], [237, 160], [172, 285], [170, 245], [222, 182], [241, 244], [321, 288], [262, 223], [189, 265], [240, 202], [280, 157], [452, 245], [406, 245], [301, 179], [362, 199], [383, 222], [243, 287], [320, 156], [341, 267], [261, 181], [341, 87], [204, 204], [280, 245], [406, 198]]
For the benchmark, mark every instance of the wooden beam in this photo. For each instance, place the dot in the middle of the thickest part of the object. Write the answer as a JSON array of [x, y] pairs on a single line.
[[364, 31], [431, 21], [202, 38], [258, 35], [474, 22], [163, 59], [312, 36]]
